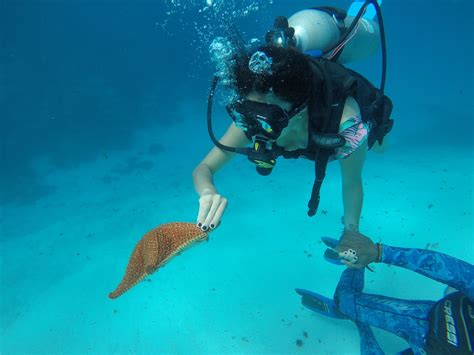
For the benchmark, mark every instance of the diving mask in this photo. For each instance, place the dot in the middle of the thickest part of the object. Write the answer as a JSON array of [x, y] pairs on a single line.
[[261, 119]]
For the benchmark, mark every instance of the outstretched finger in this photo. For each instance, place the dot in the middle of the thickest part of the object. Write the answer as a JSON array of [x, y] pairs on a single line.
[[204, 207], [211, 213], [216, 220]]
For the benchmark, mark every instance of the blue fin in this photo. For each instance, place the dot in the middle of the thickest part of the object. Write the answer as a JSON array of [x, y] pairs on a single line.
[[319, 304], [331, 255], [330, 242]]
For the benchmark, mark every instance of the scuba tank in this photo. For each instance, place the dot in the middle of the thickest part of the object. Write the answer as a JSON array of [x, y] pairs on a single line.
[[316, 29], [320, 30]]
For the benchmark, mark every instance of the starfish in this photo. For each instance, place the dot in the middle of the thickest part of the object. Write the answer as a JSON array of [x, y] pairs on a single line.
[[154, 249]]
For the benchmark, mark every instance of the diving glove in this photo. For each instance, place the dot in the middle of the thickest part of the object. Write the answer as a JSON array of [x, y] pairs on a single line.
[[353, 250]]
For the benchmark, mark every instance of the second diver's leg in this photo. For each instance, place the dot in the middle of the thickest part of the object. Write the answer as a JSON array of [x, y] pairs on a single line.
[[368, 343], [407, 319]]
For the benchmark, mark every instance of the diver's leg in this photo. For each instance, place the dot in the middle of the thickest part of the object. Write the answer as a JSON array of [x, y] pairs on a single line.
[[407, 319], [368, 343], [353, 281]]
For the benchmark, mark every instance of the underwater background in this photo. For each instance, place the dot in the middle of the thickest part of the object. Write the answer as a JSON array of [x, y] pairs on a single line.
[[103, 119]]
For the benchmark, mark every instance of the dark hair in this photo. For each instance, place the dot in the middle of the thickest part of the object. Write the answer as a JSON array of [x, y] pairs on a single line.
[[290, 79]]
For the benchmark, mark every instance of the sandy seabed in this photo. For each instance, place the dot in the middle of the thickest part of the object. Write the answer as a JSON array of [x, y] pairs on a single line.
[[62, 255]]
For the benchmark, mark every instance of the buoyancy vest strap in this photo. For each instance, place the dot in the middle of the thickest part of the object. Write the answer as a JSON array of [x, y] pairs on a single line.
[[318, 108], [320, 163], [322, 157], [320, 116]]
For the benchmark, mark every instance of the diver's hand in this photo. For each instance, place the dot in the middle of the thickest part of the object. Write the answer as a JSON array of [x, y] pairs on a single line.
[[356, 250], [211, 208]]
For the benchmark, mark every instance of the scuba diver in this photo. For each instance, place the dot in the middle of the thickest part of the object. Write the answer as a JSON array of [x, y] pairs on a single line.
[[442, 327], [296, 99]]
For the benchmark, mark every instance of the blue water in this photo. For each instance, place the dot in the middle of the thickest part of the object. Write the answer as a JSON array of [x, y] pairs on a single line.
[[102, 111]]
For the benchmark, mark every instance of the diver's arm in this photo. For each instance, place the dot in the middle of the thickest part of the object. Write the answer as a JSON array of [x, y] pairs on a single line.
[[211, 204], [352, 189], [437, 266], [351, 171], [215, 159]]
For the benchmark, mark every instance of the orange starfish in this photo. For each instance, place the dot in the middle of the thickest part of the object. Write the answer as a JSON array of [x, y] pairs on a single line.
[[154, 249]]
